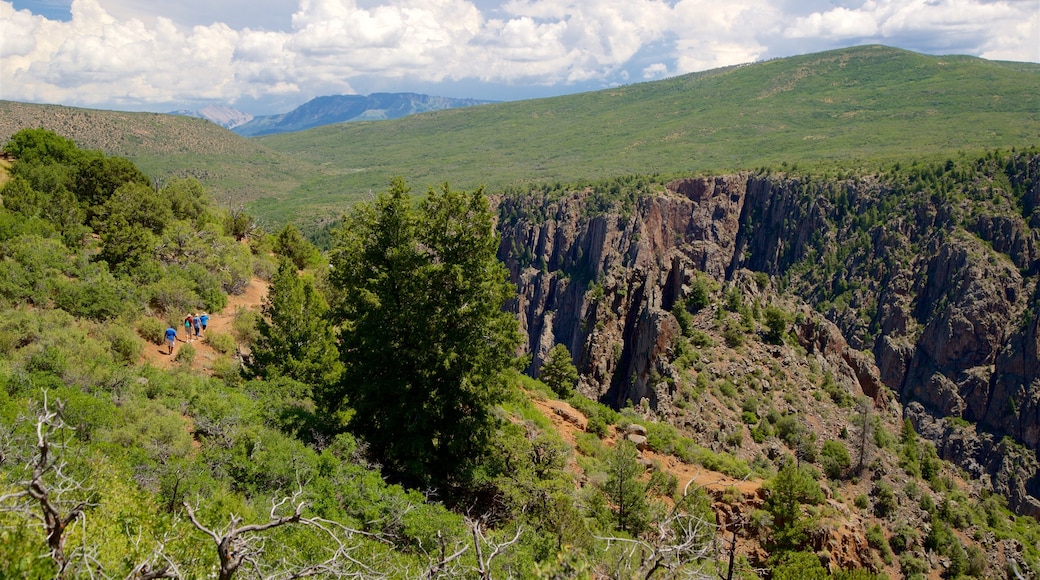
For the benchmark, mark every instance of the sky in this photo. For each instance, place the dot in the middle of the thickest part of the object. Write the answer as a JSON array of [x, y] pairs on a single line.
[[269, 56]]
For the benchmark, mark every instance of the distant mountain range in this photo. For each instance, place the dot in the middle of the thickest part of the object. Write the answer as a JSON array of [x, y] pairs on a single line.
[[328, 110], [222, 115]]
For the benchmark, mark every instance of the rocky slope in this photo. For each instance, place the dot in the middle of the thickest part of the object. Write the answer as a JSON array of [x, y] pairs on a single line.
[[922, 280]]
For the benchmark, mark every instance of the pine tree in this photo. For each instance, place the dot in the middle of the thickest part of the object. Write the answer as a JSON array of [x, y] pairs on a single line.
[[626, 491], [424, 339], [558, 372], [295, 339]]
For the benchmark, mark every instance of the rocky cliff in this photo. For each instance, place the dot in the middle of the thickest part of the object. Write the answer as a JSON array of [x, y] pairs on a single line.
[[922, 283]]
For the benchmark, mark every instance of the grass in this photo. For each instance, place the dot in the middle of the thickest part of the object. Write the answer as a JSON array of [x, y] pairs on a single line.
[[855, 109], [851, 107]]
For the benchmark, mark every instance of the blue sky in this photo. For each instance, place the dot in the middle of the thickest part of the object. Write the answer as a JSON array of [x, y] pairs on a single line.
[[268, 56]]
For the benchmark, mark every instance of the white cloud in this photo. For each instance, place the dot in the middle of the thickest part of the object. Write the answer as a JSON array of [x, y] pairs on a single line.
[[1008, 28], [655, 71], [149, 54], [837, 23]]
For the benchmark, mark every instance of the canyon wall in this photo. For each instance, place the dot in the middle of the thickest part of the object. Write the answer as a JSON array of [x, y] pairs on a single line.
[[926, 295]]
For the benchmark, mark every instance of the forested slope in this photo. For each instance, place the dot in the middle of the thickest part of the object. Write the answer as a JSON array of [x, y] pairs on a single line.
[[369, 420]]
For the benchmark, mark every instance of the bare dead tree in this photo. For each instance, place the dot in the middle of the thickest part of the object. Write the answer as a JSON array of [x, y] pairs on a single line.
[[157, 565], [675, 541], [446, 562], [238, 544], [484, 556], [48, 492]]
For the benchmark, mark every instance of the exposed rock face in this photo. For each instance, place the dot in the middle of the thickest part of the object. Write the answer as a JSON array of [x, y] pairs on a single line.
[[609, 281], [935, 303]]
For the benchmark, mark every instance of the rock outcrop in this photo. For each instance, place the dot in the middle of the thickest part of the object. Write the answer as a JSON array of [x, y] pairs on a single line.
[[926, 299]]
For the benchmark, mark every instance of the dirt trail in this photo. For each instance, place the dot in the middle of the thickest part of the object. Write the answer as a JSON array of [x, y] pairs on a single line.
[[220, 322], [711, 481], [253, 298]]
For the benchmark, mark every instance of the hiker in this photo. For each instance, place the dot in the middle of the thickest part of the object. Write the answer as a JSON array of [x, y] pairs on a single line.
[[187, 328], [204, 319], [197, 324], [171, 338]]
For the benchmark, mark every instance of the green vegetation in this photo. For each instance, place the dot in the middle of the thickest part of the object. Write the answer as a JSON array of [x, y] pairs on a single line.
[[558, 372], [853, 108], [112, 467], [418, 296]]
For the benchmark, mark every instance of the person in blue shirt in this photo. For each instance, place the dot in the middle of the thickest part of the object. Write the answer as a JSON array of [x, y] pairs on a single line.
[[204, 319], [171, 338]]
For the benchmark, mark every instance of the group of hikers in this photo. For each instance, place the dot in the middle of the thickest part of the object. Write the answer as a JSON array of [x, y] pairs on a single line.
[[192, 322]]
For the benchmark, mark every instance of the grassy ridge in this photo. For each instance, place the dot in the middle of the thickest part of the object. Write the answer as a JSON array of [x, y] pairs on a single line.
[[844, 107], [850, 108], [236, 169]]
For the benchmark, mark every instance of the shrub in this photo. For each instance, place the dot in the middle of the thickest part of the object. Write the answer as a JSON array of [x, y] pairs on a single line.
[[885, 502], [558, 372], [835, 459], [776, 323], [185, 355], [903, 539], [243, 326], [876, 540], [911, 565], [221, 342], [733, 335], [840, 396], [760, 432], [736, 438], [227, 369], [800, 566], [597, 426], [699, 295], [171, 295], [124, 343], [151, 329]]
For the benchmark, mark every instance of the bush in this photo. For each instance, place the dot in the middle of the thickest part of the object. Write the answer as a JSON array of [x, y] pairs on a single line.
[[124, 343], [885, 502], [834, 458], [733, 335], [911, 565], [736, 438], [699, 295], [903, 539], [243, 326], [221, 342], [558, 372], [876, 540], [185, 355], [776, 323], [151, 329]]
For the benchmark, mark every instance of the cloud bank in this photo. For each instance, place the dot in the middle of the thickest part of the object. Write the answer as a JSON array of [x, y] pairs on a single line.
[[127, 54]]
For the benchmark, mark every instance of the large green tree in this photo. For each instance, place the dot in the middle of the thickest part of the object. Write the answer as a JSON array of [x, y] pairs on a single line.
[[423, 336], [295, 338]]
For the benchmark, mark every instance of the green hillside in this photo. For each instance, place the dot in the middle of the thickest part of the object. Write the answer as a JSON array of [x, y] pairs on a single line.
[[852, 108], [846, 107], [234, 168]]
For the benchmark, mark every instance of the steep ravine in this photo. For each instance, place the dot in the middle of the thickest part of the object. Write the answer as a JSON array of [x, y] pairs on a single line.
[[929, 284]]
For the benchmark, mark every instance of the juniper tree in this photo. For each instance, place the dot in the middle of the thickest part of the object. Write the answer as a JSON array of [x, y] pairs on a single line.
[[295, 338], [423, 337]]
